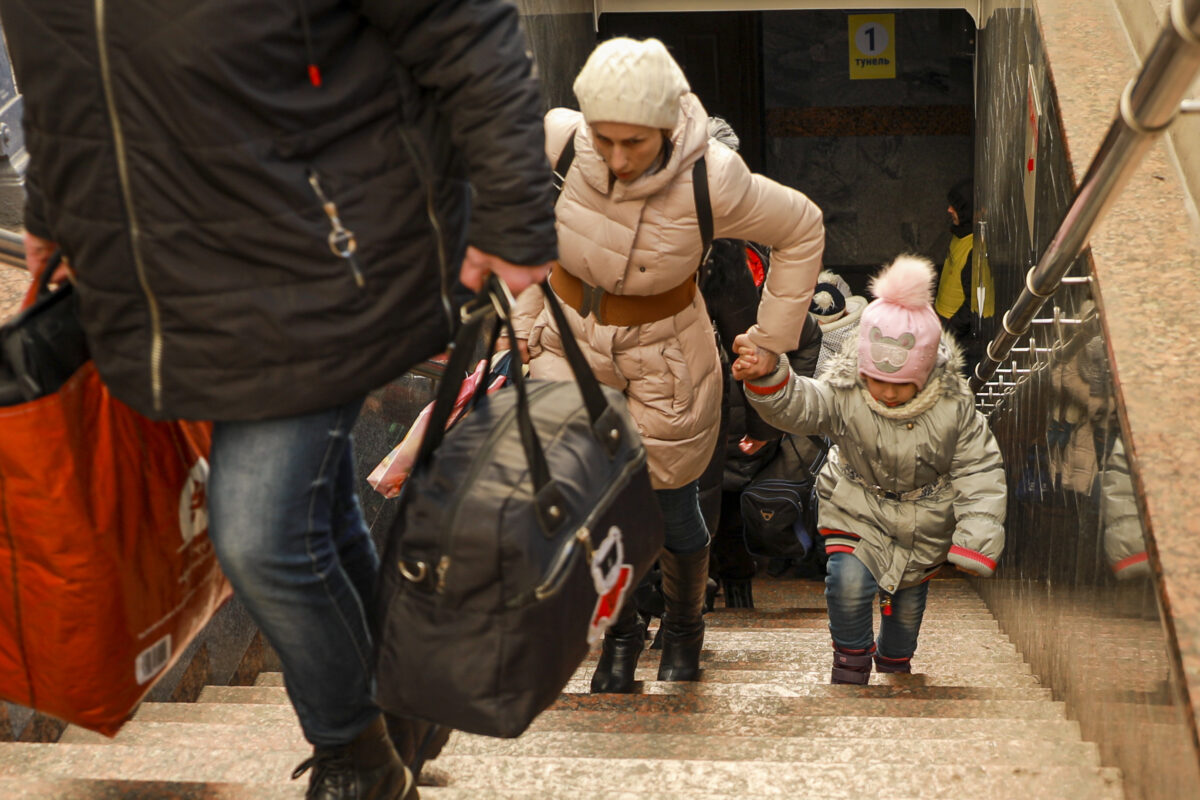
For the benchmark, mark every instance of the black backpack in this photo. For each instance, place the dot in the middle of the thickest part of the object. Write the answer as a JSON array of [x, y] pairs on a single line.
[[779, 505]]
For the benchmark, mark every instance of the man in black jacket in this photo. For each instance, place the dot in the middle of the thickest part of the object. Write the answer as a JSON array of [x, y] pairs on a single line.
[[264, 206]]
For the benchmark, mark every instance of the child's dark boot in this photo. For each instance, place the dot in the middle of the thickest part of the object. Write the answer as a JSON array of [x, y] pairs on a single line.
[[885, 664], [852, 666]]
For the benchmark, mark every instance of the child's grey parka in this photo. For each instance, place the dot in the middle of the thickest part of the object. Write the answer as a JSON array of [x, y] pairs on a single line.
[[906, 489]]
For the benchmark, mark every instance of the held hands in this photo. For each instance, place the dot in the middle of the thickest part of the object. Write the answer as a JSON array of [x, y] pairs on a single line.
[[477, 265], [752, 361], [502, 343]]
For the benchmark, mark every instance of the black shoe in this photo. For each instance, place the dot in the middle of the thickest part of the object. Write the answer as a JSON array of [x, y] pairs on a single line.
[[623, 644], [416, 742], [685, 579], [738, 593], [365, 769]]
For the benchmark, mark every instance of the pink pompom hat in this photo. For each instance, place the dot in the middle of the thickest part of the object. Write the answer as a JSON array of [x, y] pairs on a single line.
[[899, 332]]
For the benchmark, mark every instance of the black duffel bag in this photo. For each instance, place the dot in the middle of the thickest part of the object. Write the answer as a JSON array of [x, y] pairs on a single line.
[[519, 535]]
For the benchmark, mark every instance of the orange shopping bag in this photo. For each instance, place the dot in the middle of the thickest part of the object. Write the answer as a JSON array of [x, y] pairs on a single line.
[[106, 569]]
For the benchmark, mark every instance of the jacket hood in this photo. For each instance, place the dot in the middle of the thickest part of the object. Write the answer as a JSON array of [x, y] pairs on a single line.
[[689, 141], [946, 379]]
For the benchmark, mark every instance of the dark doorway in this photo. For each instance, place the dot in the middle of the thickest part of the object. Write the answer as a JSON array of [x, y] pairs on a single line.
[[721, 54]]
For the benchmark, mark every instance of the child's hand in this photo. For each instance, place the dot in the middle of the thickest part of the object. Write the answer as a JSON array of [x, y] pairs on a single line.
[[752, 361]]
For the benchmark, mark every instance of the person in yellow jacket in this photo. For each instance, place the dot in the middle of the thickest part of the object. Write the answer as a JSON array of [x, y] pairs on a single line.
[[965, 294]]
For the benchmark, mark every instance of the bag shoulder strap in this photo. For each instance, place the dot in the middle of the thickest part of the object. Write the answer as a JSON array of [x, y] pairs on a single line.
[[704, 215], [565, 159]]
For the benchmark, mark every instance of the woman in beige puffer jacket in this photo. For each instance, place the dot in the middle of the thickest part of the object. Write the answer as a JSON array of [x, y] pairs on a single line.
[[630, 246]]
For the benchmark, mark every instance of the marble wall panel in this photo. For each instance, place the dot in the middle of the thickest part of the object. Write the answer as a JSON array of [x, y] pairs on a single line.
[[877, 156], [1074, 589]]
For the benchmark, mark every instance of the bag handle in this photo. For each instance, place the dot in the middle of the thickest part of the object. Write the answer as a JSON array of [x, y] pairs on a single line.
[[493, 303]]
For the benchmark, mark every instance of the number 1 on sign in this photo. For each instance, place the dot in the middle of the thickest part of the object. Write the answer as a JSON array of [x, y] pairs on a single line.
[[872, 46]]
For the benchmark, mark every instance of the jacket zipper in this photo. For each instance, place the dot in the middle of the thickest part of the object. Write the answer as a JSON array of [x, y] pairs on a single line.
[[431, 212], [341, 239], [135, 231]]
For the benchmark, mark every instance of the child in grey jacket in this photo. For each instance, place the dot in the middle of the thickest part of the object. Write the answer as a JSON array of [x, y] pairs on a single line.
[[915, 478]]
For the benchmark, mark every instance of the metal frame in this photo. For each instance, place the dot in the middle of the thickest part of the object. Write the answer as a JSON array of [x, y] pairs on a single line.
[[1148, 105]]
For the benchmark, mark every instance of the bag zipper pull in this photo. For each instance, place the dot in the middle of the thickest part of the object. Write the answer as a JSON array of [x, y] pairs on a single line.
[[341, 239]]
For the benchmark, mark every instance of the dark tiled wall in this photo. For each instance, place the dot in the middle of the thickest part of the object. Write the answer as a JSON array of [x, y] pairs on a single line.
[[877, 156], [1074, 589]]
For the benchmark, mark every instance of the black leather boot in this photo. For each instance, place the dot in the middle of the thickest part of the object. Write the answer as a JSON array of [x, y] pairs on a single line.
[[623, 644], [685, 579], [365, 769]]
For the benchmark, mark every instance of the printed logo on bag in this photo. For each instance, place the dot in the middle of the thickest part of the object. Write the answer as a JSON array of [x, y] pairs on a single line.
[[890, 354], [611, 576], [193, 503], [767, 515]]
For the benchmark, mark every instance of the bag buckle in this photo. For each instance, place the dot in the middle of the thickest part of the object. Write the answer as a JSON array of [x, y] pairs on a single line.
[[590, 300]]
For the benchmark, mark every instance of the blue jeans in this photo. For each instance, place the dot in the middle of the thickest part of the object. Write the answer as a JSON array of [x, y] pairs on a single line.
[[287, 528], [850, 591], [685, 530]]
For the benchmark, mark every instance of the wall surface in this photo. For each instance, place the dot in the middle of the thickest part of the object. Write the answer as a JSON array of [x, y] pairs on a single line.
[[877, 155], [1097, 585]]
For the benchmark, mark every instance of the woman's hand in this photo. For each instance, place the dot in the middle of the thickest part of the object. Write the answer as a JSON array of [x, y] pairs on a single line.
[[752, 361], [37, 255], [477, 265], [502, 343]]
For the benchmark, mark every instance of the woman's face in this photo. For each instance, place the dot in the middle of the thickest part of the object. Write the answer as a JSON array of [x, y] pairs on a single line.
[[628, 150]]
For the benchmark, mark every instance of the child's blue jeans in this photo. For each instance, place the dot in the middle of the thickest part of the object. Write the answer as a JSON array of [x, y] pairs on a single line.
[[850, 591]]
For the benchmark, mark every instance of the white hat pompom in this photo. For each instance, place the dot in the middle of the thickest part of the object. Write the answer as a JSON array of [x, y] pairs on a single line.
[[906, 282]]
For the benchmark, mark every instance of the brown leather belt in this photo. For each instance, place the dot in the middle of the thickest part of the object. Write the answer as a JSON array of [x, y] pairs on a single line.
[[620, 309]]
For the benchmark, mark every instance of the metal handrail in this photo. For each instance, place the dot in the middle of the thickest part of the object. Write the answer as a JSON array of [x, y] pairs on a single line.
[[12, 249], [1148, 105]]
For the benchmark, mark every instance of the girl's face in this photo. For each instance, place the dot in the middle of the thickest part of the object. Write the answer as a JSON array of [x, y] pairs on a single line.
[[890, 394], [628, 150]]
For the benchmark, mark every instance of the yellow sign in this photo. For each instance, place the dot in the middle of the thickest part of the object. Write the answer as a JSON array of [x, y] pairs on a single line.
[[872, 46]]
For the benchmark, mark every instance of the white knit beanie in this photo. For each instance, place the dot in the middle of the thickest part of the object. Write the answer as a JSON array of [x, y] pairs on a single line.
[[631, 82]]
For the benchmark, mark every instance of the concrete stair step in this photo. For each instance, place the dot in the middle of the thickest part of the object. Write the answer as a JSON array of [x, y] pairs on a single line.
[[818, 651], [691, 699], [580, 744], [168, 763], [813, 778], [631, 721], [954, 641], [812, 706], [810, 686], [67, 789], [792, 725], [816, 670], [563, 777]]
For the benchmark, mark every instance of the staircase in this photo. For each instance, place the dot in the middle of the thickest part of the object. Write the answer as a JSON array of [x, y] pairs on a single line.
[[764, 722]]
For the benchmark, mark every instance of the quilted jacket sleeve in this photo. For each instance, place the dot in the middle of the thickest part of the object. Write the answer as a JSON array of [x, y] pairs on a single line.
[[981, 495], [471, 55], [794, 404], [754, 207]]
